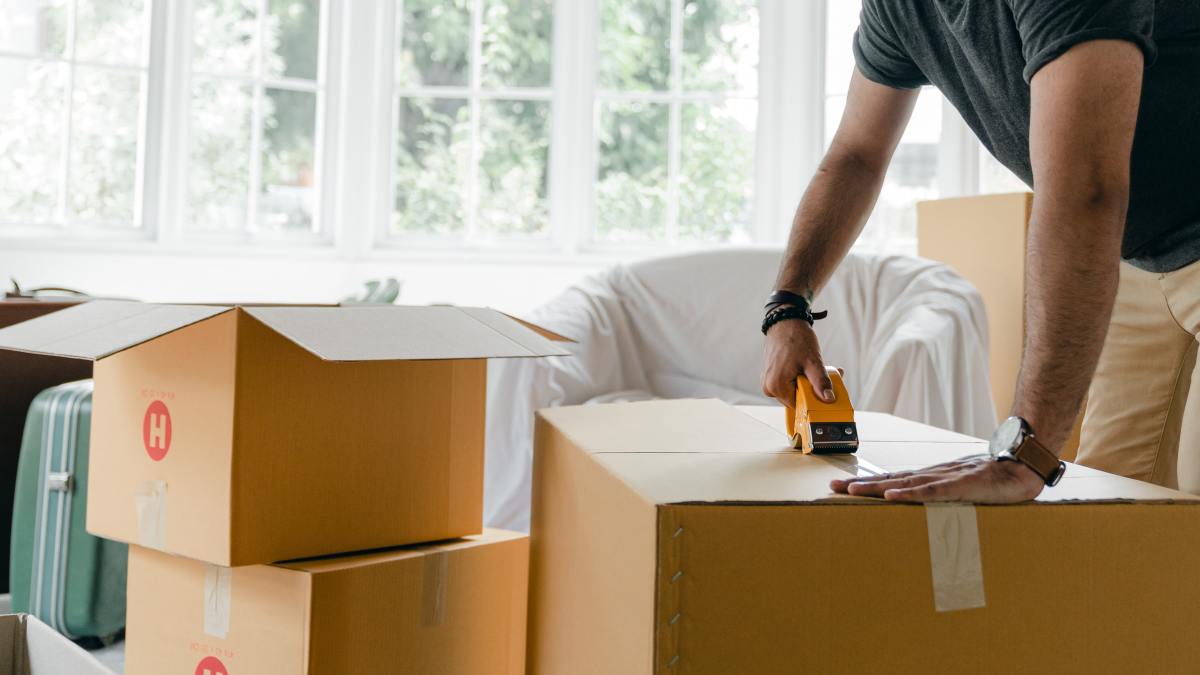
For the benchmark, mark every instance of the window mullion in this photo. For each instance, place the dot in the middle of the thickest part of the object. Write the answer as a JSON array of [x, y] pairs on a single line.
[[792, 105], [476, 152], [572, 133], [325, 121], [63, 206], [151, 183], [256, 119], [675, 124]]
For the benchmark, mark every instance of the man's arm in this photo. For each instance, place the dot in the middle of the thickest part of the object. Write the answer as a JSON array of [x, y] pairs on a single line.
[[1084, 111], [830, 216]]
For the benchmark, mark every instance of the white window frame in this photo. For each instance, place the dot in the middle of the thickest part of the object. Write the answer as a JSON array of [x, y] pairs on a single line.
[[355, 128]]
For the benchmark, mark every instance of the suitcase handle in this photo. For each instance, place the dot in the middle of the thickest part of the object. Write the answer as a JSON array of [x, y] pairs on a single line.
[[59, 481]]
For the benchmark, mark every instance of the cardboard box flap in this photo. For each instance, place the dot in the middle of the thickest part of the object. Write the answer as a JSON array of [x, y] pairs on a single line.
[[30, 647], [396, 333], [100, 328], [339, 562], [667, 425], [705, 451]]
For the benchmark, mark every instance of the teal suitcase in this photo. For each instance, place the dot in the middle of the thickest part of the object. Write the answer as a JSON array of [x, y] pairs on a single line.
[[69, 579]]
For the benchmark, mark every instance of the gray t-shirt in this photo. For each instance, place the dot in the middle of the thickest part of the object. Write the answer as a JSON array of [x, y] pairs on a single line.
[[982, 55]]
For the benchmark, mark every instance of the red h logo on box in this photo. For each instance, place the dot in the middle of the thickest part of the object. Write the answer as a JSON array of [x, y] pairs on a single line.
[[211, 665], [156, 430]]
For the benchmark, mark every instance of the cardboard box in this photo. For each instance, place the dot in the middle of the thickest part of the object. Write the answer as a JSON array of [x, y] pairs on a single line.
[[687, 537], [454, 607], [30, 647], [248, 435]]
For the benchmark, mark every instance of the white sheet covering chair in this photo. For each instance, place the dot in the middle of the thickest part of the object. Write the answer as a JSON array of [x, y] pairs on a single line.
[[910, 333]]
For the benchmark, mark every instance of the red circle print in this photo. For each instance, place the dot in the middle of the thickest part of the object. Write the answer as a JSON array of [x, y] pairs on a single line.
[[156, 430], [211, 665]]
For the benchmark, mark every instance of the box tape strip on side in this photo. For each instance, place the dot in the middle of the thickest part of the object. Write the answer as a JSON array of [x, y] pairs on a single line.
[[218, 591], [954, 556], [150, 500], [433, 590]]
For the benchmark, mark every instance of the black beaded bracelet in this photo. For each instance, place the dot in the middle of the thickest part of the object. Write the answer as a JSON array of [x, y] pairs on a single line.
[[787, 312]]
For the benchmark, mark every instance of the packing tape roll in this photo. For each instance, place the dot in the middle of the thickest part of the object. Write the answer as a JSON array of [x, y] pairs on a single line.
[[954, 556], [150, 499], [217, 593], [433, 591]]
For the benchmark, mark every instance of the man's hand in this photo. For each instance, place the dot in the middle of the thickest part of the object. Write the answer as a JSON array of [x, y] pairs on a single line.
[[792, 350], [981, 480]]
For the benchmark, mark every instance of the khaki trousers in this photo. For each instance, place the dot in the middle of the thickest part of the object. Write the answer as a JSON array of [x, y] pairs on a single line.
[[1143, 415]]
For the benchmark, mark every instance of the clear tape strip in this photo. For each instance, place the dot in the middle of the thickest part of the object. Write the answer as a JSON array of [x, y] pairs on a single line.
[[954, 556], [433, 592], [150, 500], [218, 582]]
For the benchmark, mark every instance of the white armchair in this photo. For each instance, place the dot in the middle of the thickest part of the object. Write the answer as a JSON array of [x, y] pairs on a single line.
[[910, 333]]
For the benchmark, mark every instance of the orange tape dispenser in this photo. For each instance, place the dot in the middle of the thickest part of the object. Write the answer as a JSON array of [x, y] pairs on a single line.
[[817, 427]]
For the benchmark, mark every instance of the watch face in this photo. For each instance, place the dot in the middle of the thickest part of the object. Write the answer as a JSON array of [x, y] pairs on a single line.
[[1007, 436]]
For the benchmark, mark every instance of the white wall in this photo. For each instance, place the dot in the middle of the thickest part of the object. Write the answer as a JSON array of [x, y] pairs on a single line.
[[304, 276]]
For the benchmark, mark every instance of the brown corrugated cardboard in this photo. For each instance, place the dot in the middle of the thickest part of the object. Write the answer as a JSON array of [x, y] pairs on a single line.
[[248, 435], [30, 647], [453, 607], [687, 537]]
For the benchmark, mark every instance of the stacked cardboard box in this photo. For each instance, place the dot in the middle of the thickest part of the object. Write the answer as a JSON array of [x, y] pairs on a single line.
[[228, 439]]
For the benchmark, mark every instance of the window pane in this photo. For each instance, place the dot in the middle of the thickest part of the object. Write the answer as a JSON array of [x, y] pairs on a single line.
[[512, 177], [631, 195], [995, 177], [841, 20], [288, 166], [104, 145], [111, 31], [33, 26], [435, 40], [834, 107], [635, 44], [219, 164], [224, 36], [433, 151], [516, 43], [293, 35], [911, 177], [720, 45], [717, 170], [31, 137]]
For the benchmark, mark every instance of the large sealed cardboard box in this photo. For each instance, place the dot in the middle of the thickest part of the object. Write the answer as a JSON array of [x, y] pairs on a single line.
[[687, 537], [447, 608], [248, 435], [30, 647]]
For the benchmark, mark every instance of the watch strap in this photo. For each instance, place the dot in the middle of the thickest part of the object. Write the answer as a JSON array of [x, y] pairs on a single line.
[[1038, 457]]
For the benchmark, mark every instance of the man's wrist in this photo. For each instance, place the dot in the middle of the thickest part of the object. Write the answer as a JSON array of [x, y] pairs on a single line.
[[1022, 473]]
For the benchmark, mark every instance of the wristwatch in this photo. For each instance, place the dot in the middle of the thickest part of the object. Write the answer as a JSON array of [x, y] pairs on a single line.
[[1014, 441]]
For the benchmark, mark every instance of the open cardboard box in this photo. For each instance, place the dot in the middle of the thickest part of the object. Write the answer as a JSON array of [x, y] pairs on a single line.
[[30, 647], [454, 607], [243, 435], [688, 537]]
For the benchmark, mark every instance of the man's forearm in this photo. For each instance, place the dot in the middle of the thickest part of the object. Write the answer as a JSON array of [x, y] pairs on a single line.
[[830, 216], [1071, 275]]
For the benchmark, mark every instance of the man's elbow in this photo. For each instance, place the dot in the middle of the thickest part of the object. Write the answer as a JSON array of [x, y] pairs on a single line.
[[1104, 198]]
